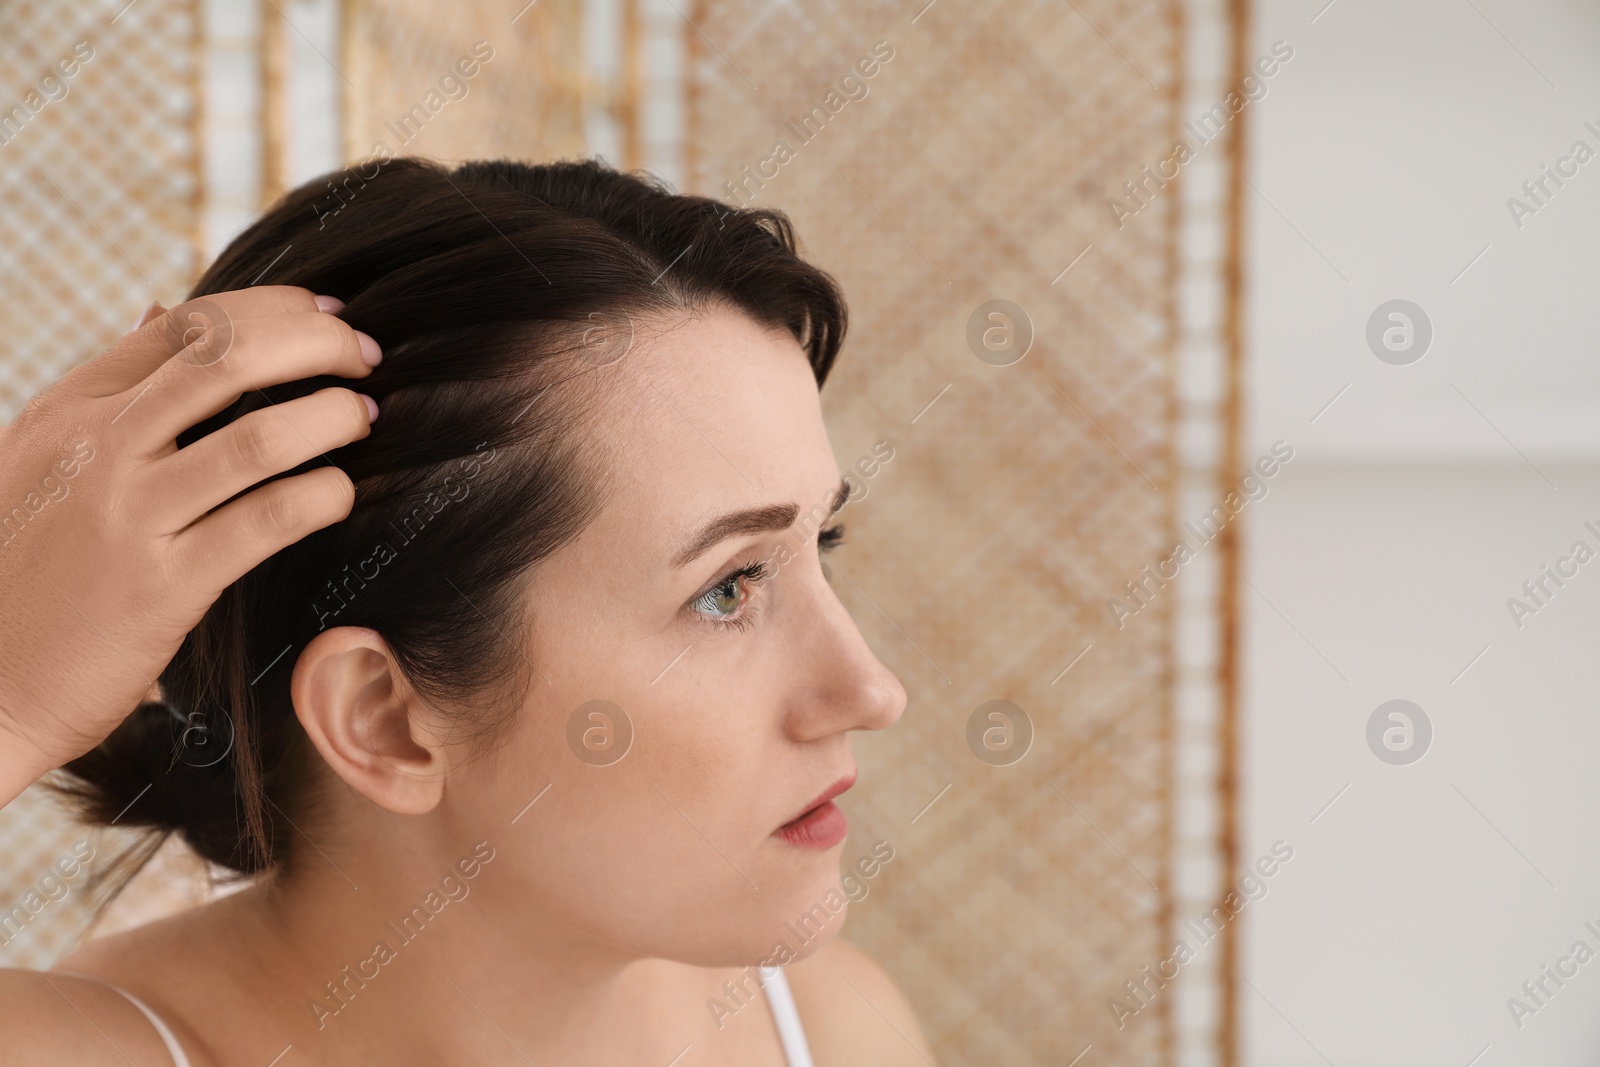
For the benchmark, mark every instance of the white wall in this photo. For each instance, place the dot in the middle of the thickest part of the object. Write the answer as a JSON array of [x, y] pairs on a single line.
[[1417, 503]]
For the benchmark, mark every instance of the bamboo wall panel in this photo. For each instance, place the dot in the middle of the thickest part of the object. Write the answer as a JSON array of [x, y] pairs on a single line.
[[975, 165]]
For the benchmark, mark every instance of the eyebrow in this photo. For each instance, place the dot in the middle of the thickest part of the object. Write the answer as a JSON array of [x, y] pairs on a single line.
[[761, 519]]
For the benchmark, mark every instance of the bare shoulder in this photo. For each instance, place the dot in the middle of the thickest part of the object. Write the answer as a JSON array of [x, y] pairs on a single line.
[[853, 1012], [57, 1018]]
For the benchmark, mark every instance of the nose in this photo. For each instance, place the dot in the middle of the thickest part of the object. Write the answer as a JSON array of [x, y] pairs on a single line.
[[844, 685]]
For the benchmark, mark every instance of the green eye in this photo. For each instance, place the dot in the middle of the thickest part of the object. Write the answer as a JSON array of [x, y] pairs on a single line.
[[724, 598], [721, 605]]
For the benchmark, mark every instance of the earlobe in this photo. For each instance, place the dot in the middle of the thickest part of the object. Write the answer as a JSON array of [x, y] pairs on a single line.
[[366, 720]]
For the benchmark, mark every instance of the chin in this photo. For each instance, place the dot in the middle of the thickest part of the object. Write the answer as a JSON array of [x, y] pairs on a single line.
[[789, 919], [819, 938], [809, 914]]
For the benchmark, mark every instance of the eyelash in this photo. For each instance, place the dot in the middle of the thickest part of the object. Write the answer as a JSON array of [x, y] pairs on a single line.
[[828, 539]]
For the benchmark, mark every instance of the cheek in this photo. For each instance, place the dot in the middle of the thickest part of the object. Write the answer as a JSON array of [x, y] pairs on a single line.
[[617, 842], [705, 754], [666, 850]]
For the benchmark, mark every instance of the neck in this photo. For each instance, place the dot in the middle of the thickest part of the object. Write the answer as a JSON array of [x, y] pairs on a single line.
[[406, 963]]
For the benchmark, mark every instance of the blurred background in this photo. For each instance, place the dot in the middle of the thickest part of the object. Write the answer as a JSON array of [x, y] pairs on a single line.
[[1389, 164], [1300, 286]]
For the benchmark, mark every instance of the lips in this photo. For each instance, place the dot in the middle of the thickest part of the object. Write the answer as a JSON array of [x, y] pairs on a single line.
[[827, 794], [821, 825]]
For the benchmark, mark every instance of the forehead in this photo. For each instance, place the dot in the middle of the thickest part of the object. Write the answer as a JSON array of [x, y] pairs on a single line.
[[709, 412]]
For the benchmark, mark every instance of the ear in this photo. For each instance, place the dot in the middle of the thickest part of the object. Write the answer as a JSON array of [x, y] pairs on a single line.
[[367, 721]]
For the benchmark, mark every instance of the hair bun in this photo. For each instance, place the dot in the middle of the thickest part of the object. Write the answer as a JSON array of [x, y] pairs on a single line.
[[166, 770], [202, 738]]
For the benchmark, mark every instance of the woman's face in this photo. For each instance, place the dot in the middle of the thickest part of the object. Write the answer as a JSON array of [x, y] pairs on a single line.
[[740, 694]]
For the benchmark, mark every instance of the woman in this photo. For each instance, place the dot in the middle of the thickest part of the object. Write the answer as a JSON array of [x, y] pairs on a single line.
[[531, 754]]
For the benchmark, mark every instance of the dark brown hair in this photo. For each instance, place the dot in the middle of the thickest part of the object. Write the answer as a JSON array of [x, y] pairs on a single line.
[[480, 283]]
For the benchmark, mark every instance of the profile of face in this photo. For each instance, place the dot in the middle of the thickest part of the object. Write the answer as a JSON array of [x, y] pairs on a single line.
[[741, 694]]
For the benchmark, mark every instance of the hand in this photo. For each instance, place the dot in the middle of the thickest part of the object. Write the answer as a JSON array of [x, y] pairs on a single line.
[[110, 551]]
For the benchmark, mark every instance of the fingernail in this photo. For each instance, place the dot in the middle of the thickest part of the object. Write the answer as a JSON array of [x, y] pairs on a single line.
[[372, 407], [146, 315], [371, 354], [329, 303]]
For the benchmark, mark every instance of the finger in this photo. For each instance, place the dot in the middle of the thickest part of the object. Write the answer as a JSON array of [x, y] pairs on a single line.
[[223, 546], [185, 485], [157, 338], [92, 381], [224, 361], [149, 313]]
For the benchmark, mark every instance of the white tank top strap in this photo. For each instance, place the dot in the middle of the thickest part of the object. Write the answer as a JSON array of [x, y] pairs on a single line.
[[790, 1033], [168, 1038]]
